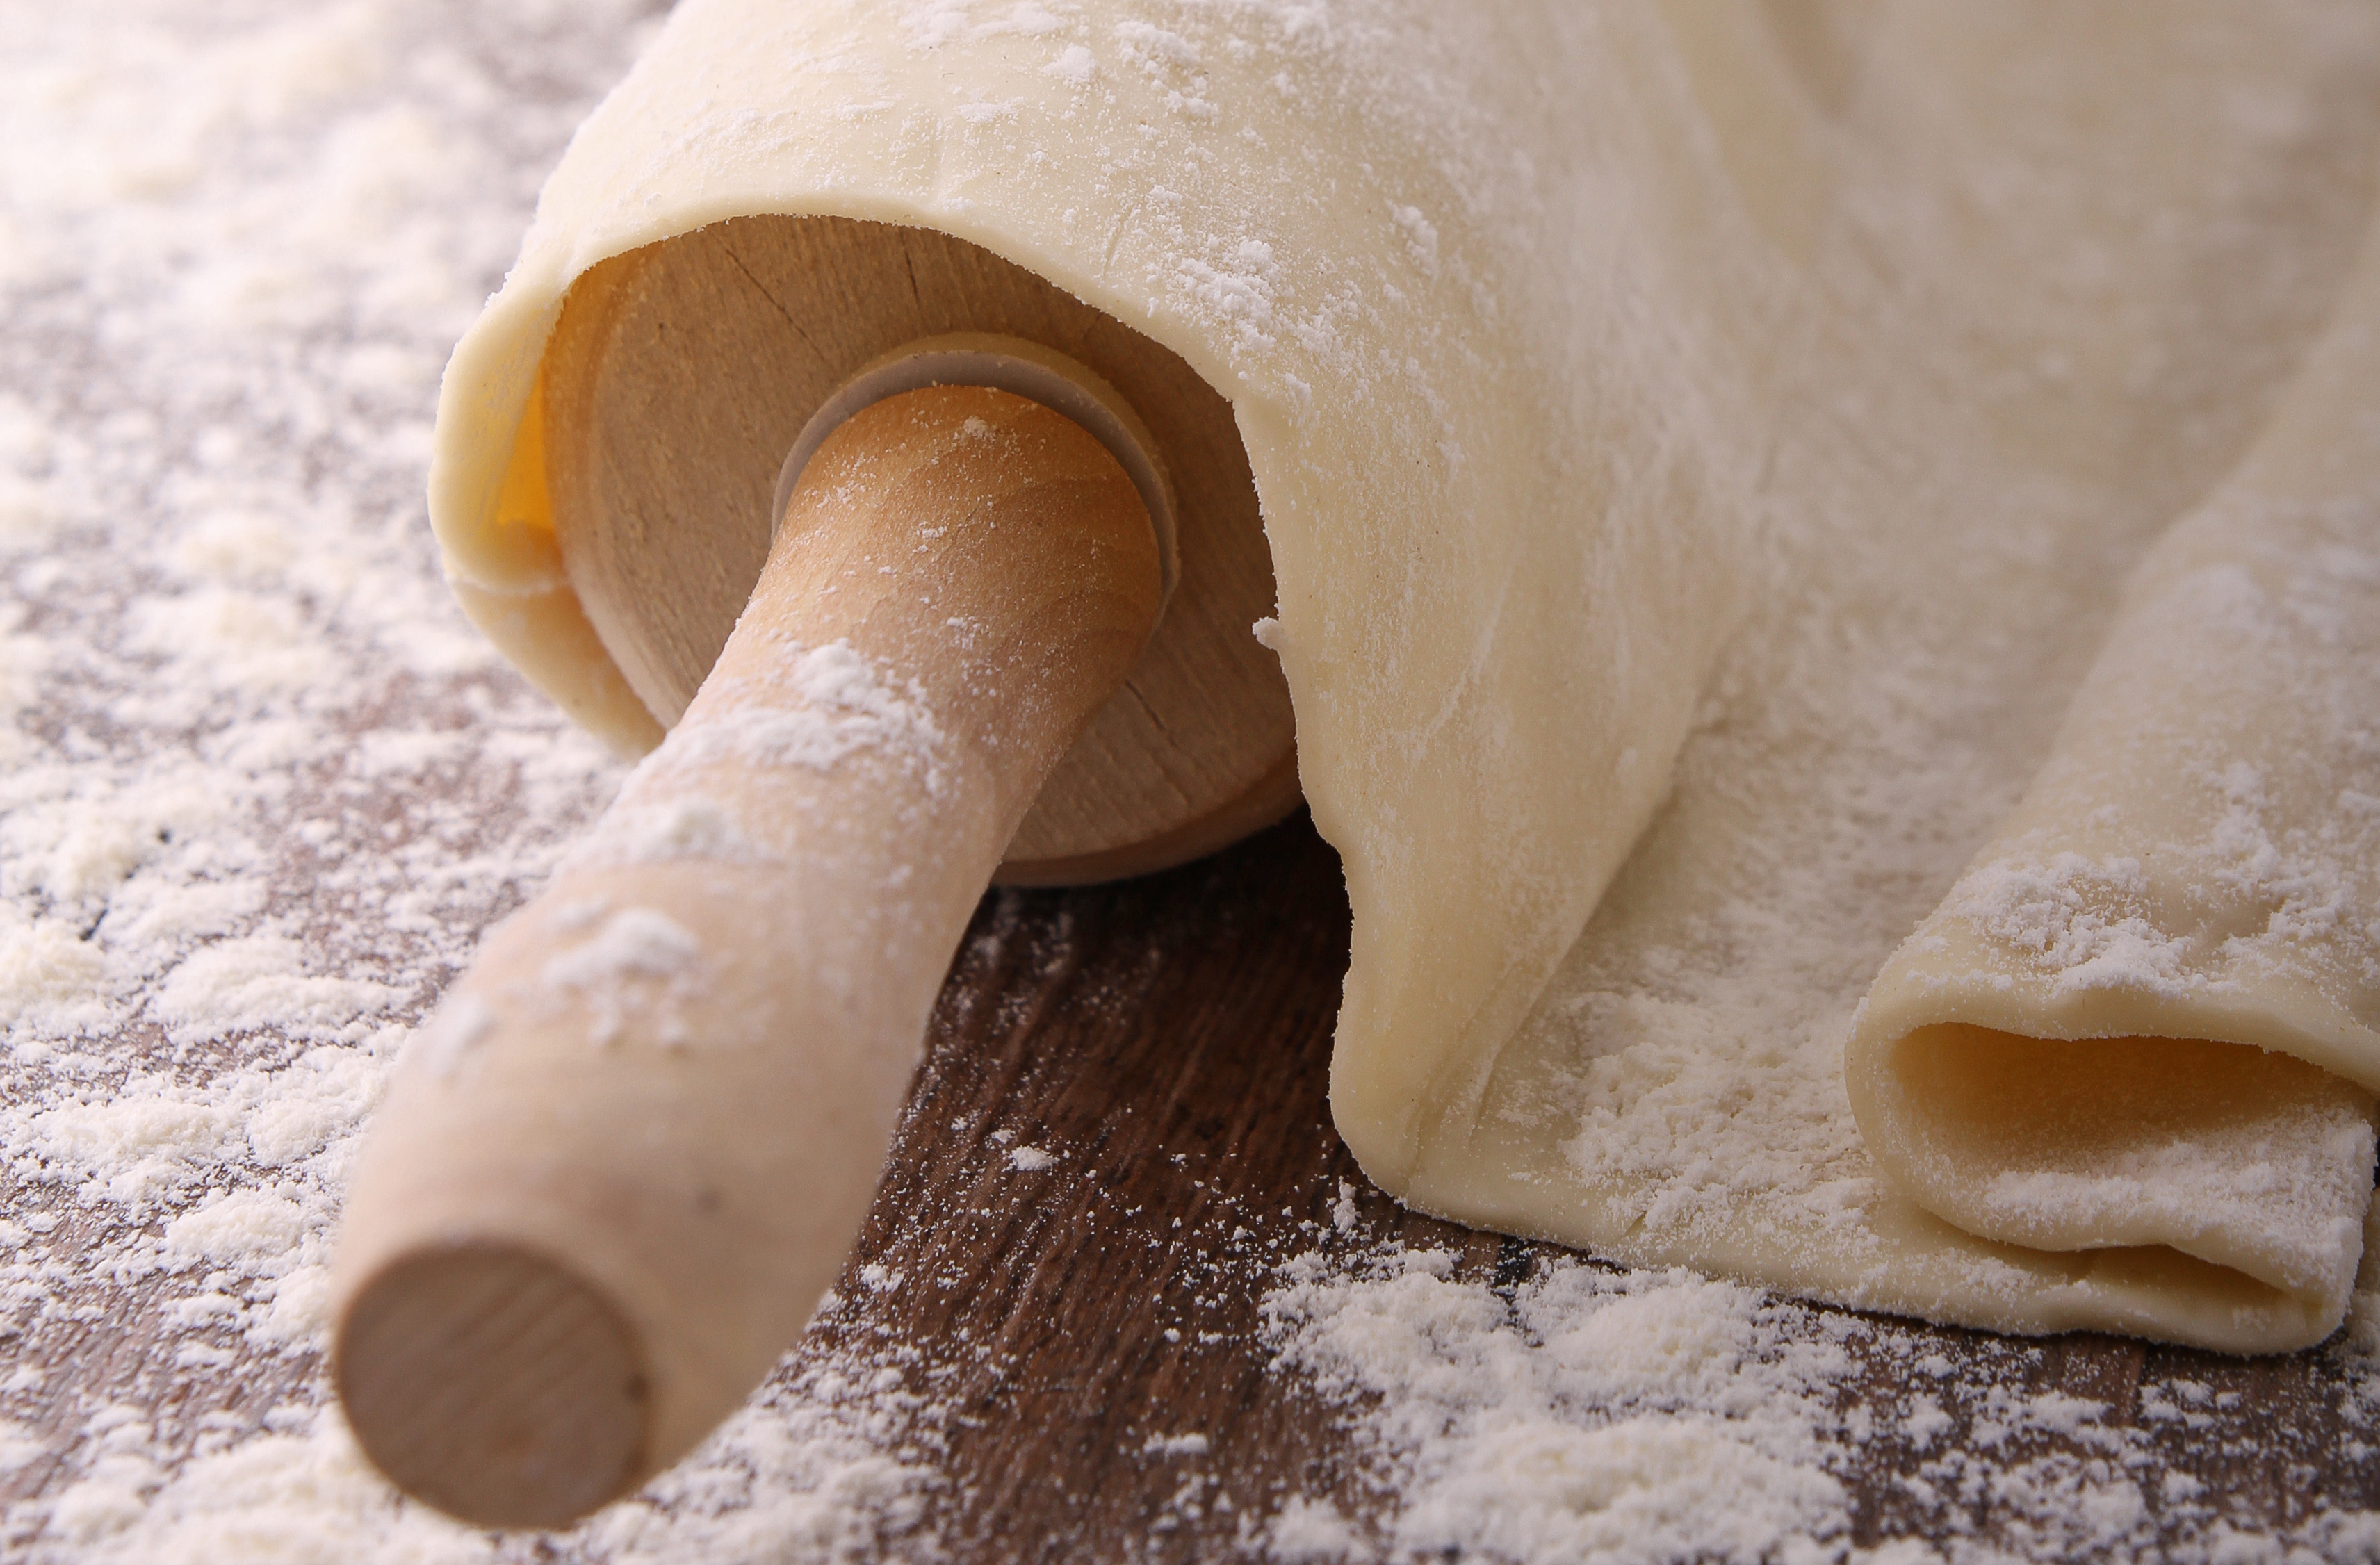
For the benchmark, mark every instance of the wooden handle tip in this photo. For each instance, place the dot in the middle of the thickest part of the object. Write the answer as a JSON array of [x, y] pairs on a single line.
[[494, 1384]]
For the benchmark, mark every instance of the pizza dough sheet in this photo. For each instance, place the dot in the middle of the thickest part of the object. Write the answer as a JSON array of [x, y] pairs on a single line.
[[1698, 449]]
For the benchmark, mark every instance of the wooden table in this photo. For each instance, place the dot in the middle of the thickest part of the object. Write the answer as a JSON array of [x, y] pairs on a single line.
[[1166, 1039]]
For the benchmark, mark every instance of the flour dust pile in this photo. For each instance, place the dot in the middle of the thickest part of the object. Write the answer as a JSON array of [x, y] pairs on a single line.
[[1569, 1411]]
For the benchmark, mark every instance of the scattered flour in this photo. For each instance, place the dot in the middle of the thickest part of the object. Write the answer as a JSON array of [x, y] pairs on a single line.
[[819, 705], [639, 959], [2053, 913], [820, 708], [666, 831], [260, 787], [636, 942], [1307, 1530], [1591, 1415], [1582, 1412]]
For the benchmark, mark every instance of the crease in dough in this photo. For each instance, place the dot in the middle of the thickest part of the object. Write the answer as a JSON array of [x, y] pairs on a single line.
[[2145, 1013], [2233, 1154]]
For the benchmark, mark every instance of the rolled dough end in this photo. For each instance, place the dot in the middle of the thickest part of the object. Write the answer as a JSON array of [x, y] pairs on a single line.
[[2233, 1154], [545, 634]]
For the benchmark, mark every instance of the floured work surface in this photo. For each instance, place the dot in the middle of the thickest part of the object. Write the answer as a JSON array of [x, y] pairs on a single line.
[[1030, 1360], [263, 790]]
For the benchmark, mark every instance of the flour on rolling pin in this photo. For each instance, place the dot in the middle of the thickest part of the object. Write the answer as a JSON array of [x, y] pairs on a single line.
[[571, 1253], [843, 703], [1692, 501]]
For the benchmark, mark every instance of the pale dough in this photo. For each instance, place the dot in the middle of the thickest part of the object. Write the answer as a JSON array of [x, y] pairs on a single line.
[[2193, 884], [1706, 440]]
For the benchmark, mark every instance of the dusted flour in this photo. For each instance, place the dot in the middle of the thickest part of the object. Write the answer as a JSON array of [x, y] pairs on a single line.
[[260, 787], [1582, 1412]]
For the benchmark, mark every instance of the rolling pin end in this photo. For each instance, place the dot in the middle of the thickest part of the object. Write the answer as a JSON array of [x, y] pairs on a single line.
[[494, 1384], [634, 1153]]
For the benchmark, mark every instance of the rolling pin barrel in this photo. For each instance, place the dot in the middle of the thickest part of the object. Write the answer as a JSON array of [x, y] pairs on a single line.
[[638, 1137]]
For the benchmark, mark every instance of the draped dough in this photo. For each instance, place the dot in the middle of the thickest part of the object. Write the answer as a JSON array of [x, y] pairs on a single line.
[[2187, 899], [2048, 336], [1699, 448]]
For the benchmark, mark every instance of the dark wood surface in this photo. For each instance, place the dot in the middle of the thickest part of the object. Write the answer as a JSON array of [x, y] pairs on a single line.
[[1169, 1039]]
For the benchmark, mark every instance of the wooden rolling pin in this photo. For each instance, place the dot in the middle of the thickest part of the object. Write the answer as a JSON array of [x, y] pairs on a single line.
[[1003, 615]]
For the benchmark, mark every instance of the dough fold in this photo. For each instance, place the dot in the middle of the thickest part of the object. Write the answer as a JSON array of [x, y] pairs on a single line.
[[2055, 339], [2148, 1014]]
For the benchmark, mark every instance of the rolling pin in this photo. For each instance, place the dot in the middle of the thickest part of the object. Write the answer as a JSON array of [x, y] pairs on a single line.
[[934, 577]]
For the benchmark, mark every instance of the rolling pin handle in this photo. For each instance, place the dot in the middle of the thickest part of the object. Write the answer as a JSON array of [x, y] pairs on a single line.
[[623, 1162]]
